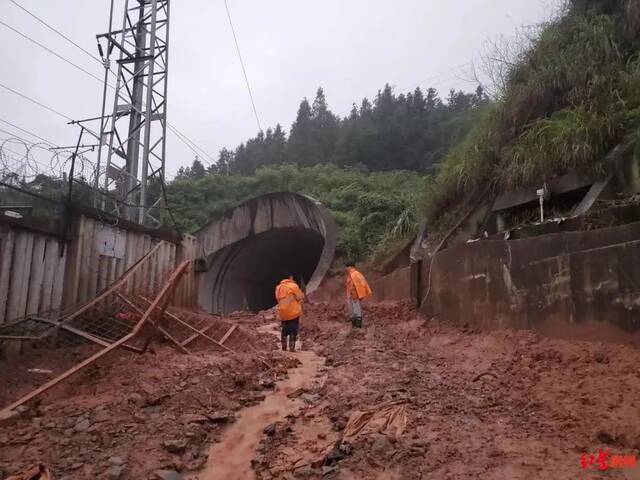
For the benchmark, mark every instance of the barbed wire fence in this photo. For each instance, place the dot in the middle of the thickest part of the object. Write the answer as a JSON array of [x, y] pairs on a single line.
[[42, 179]]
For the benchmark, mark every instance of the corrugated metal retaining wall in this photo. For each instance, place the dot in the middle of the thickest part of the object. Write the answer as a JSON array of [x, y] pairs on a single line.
[[39, 274]]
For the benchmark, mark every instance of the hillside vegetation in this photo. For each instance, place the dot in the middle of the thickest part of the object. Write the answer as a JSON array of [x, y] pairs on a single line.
[[569, 99], [369, 207]]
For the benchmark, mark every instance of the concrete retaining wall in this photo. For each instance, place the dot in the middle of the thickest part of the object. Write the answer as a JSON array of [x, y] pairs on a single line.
[[394, 286], [570, 278], [565, 282]]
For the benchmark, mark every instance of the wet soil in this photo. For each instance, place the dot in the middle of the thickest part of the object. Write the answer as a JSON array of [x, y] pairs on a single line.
[[232, 457]]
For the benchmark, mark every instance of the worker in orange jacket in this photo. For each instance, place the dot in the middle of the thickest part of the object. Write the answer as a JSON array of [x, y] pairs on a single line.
[[357, 290], [289, 297]]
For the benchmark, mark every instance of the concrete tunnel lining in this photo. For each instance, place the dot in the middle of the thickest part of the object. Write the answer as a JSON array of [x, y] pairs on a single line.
[[248, 251], [248, 271]]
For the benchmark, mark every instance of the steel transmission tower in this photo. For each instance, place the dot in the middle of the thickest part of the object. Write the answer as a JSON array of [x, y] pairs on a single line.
[[131, 159]]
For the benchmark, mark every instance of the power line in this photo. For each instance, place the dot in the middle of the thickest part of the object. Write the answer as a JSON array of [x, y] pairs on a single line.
[[192, 145], [244, 71], [55, 30], [26, 131], [32, 100], [27, 37], [181, 136]]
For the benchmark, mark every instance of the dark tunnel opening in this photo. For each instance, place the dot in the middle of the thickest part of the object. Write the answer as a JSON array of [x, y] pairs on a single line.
[[243, 275]]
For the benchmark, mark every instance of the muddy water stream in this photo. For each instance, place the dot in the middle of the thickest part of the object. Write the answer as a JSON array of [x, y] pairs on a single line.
[[231, 458]]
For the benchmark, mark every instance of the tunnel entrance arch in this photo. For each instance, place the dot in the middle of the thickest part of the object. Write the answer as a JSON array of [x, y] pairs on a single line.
[[248, 251]]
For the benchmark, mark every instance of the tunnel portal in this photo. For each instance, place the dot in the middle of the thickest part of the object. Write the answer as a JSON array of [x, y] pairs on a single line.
[[250, 250]]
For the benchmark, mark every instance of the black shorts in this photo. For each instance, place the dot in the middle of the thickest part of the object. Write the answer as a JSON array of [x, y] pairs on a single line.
[[290, 327]]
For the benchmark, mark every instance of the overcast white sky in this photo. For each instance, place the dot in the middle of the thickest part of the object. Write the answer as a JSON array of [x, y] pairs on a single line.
[[290, 48]]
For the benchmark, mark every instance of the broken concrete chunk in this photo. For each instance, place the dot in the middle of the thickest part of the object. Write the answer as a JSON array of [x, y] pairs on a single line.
[[167, 475], [175, 445]]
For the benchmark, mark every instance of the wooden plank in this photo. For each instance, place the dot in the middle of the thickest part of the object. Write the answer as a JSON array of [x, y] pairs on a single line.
[[51, 256], [159, 301], [36, 281], [6, 260], [228, 334]]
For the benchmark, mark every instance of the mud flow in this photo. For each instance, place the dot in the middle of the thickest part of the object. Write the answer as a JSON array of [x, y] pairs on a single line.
[[232, 458]]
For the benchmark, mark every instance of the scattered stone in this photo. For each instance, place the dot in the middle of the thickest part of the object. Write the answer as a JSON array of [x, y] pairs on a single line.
[[117, 461], [8, 418], [382, 447], [334, 456], [115, 472], [194, 418], [305, 471], [327, 470], [310, 397], [156, 399], [220, 417], [605, 437], [270, 429], [166, 475], [136, 399], [76, 466], [339, 424], [257, 461], [82, 426], [194, 381], [175, 445]]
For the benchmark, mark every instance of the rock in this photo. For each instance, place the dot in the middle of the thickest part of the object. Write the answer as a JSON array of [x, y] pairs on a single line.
[[382, 447], [194, 418], [220, 417], [257, 461], [328, 470], [605, 437], [166, 475], [304, 471], [270, 429], [268, 384], [82, 426], [339, 425], [8, 417], [117, 461], [156, 399], [136, 399], [334, 456], [115, 473], [175, 445], [194, 381], [196, 464], [76, 466], [345, 448], [310, 397]]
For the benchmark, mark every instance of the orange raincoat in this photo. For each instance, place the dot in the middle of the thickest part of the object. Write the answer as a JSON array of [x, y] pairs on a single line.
[[289, 297], [357, 286]]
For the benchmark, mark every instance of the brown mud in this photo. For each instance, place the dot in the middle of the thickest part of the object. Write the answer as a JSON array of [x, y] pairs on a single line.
[[492, 405]]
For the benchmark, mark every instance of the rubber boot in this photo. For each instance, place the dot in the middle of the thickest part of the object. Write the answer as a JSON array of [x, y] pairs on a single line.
[[359, 322], [284, 343], [292, 343]]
